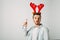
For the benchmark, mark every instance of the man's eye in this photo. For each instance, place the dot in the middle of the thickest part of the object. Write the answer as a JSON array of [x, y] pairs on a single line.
[[35, 17], [38, 18]]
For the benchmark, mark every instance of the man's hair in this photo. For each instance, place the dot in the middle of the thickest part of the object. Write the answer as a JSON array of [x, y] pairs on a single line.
[[36, 14]]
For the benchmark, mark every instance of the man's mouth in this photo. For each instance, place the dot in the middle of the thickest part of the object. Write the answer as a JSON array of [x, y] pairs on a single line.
[[37, 21]]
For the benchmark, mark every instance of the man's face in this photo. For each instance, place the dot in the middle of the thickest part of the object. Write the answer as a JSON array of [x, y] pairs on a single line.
[[37, 19]]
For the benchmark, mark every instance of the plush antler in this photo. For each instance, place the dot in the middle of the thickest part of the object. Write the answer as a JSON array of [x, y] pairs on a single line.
[[33, 6], [40, 6]]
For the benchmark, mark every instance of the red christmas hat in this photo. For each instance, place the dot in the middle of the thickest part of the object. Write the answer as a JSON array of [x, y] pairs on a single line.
[[33, 6]]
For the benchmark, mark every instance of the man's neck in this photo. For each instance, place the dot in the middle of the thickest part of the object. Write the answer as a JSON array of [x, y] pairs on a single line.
[[37, 26]]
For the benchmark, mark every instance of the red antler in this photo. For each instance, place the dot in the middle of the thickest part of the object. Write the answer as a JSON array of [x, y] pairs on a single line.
[[40, 7], [33, 6]]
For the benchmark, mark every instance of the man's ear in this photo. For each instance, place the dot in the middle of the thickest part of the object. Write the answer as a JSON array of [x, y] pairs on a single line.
[[33, 17]]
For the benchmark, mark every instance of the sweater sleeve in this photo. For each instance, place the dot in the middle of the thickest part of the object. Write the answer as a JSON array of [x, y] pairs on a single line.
[[22, 28], [26, 30]]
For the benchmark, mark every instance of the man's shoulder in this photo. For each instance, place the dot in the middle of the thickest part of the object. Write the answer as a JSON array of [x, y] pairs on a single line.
[[44, 28]]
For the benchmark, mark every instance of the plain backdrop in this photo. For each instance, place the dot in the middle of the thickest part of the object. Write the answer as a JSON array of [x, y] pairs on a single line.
[[14, 12]]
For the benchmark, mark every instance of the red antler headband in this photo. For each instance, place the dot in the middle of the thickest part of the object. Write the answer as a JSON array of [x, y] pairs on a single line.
[[33, 6]]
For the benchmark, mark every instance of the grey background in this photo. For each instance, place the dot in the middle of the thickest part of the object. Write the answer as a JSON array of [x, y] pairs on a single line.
[[14, 12]]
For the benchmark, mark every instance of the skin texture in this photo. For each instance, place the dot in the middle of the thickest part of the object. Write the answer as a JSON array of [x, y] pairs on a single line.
[[37, 19]]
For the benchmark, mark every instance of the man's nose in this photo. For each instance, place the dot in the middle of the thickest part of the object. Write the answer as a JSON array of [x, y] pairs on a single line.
[[37, 19]]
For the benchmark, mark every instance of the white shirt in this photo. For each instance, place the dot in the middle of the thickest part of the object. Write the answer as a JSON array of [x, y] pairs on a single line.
[[34, 33], [40, 33]]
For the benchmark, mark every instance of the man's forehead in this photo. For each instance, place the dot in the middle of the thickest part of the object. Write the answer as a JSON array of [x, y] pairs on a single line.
[[36, 15]]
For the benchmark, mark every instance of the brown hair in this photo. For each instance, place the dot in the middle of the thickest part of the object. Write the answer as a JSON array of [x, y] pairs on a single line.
[[36, 14]]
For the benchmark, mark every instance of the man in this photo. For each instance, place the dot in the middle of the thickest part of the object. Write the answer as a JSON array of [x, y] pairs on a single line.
[[36, 32]]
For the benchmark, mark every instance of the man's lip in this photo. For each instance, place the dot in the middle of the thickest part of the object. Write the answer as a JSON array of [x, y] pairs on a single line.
[[37, 21]]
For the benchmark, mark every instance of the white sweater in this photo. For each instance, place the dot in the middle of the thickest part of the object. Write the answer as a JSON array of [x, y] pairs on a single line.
[[40, 33]]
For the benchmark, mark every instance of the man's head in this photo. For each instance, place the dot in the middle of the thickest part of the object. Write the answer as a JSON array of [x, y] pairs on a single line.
[[37, 18]]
